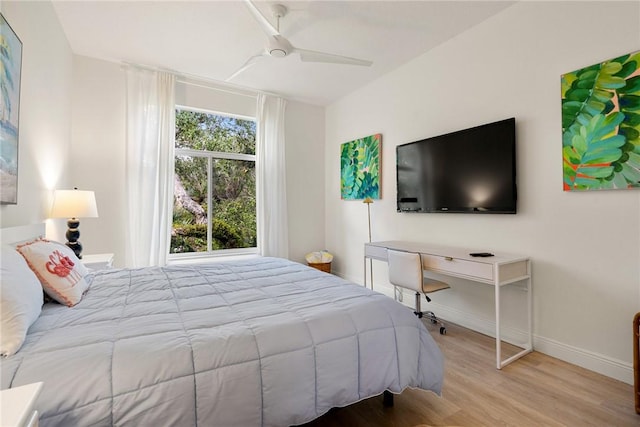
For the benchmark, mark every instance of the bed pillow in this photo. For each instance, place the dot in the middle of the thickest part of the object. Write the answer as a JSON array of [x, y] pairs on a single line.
[[20, 300], [60, 272]]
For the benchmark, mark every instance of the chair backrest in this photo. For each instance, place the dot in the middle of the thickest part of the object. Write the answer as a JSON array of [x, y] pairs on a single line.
[[405, 269]]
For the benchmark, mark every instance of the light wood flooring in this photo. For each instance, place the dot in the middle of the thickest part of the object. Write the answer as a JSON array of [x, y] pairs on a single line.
[[536, 390]]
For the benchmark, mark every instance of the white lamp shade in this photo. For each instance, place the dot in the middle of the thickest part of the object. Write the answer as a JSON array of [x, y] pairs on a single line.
[[74, 204]]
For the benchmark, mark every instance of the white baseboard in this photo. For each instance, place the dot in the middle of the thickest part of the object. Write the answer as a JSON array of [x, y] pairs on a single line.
[[599, 363], [605, 365]]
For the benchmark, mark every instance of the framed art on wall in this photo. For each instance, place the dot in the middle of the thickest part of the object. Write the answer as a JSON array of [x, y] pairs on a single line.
[[11, 57], [360, 168], [601, 125]]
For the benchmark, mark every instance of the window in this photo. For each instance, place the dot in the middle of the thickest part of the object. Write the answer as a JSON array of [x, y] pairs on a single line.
[[215, 184]]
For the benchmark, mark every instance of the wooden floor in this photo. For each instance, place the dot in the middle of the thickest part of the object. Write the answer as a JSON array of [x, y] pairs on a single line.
[[536, 390]]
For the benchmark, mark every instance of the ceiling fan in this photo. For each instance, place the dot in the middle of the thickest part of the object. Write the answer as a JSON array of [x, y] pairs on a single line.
[[278, 47]]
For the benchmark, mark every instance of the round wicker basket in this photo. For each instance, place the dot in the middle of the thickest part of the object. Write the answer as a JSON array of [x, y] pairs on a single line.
[[322, 266]]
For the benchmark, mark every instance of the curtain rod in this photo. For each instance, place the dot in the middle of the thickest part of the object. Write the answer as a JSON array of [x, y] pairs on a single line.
[[206, 83], [191, 81]]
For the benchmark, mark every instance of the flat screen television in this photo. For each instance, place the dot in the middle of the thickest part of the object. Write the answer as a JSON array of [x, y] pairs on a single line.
[[468, 171]]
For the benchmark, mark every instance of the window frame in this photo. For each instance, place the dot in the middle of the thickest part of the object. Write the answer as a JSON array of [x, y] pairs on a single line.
[[210, 156]]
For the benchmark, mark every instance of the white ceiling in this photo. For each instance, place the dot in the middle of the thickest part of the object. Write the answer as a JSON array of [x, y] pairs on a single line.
[[212, 39]]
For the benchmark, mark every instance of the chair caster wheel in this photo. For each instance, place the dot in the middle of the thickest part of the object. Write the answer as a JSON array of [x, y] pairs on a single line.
[[419, 315], [443, 330]]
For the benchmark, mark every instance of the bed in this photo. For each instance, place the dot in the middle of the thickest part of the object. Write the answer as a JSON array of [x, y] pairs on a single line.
[[261, 342]]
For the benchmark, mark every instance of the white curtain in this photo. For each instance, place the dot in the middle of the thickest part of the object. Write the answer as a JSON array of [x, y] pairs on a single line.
[[273, 233], [149, 165]]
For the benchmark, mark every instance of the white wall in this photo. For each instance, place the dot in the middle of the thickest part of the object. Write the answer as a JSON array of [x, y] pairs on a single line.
[[585, 247], [304, 130], [98, 154], [45, 113]]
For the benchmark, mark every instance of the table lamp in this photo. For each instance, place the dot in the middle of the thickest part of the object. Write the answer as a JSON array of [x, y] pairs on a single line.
[[74, 204]]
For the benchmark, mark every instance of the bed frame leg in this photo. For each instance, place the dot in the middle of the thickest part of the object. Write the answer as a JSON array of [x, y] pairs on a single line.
[[387, 399]]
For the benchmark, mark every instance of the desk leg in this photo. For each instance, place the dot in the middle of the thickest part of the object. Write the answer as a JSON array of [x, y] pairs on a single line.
[[528, 347], [530, 305], [498, 339], [371, 275], [365, 271]]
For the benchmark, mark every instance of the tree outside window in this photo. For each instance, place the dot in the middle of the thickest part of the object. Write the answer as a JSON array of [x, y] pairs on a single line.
[[215, 183]]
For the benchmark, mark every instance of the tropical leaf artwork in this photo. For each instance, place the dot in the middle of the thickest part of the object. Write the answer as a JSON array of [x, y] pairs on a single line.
[[360, 168], [601, 125]]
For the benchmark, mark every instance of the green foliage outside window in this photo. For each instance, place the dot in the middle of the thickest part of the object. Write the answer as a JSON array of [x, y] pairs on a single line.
[[233, 182], [203, 131]]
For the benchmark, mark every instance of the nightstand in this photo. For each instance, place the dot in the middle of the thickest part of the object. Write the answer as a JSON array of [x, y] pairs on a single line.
[[18, 406], [98, 261]]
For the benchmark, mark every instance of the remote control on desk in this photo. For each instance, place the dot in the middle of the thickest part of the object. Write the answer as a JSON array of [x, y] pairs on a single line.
[[481, 254]]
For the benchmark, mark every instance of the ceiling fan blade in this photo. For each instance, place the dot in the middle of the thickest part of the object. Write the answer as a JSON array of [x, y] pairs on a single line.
[[250, 62], [314, 56], [262, 20]]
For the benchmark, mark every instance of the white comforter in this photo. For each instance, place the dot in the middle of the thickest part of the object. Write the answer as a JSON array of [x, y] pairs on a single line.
[[265, 342]]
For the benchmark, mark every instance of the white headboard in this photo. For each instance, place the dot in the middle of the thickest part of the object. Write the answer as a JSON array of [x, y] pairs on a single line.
[[21, 233]]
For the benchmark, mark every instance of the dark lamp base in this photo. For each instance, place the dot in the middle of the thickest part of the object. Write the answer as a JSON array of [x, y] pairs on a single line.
[[72, 237], [76, 247]]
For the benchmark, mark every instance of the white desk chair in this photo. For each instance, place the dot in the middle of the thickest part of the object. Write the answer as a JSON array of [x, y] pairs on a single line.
[[405, 271]]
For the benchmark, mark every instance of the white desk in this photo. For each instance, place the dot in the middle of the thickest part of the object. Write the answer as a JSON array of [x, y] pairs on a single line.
[[498, 270]]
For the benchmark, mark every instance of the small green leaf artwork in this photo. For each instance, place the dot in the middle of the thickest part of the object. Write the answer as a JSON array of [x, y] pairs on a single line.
[[360, 168], [601, 125]]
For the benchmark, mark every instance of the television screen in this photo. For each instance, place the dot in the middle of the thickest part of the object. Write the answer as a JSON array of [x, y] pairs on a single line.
[[468, 171]]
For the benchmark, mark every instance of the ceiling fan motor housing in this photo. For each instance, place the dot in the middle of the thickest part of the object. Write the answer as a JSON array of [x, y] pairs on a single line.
[[279, 47]]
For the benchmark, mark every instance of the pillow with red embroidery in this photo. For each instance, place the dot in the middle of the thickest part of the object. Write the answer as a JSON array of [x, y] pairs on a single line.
[[59, 270]]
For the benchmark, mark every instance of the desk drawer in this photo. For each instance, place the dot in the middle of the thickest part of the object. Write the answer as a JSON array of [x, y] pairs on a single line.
[[458, 267], [375, 252]]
